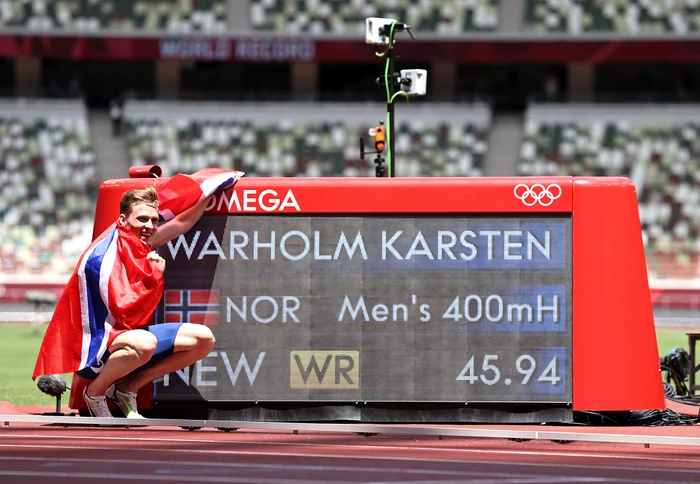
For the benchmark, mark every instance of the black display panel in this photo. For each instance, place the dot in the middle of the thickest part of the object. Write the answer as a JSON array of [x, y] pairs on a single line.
[[376, 308]]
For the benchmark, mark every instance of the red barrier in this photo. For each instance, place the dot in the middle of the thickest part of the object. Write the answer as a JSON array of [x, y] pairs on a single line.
[[613, 319]]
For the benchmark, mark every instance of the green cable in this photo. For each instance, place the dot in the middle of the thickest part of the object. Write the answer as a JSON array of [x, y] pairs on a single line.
[[391, 41], [386, 64], [382, 54], [401, 93], [388, 145], [386, 81], [389, 100]]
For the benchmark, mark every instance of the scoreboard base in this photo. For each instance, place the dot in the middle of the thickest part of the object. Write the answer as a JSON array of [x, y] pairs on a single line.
[[370, 413], [516, 434]]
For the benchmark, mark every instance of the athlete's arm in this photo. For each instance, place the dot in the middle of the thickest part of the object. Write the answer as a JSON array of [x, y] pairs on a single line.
[[178, 225]]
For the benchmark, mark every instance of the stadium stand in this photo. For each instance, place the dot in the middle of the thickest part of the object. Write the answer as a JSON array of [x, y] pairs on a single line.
[[177, 16], [304, 139], [658, 147], [48, 180], [341, 17], [624, 17]]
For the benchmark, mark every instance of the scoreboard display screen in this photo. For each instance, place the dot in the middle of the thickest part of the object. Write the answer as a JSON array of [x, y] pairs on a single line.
[[375, 307]]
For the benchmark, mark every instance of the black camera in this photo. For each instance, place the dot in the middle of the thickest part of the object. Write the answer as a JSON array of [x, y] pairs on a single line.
[[677, 361]]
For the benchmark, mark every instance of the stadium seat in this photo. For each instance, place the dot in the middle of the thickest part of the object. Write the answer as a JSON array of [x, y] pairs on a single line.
[[303, 140], [177, 16], [628, 17], [341, 17], [49, 186], [658, 147]]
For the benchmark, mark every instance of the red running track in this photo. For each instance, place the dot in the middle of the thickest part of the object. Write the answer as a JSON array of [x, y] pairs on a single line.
[[30, 453]]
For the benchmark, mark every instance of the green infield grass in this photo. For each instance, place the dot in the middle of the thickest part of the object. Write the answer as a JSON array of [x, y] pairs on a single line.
[[670, 339], [19, 345]]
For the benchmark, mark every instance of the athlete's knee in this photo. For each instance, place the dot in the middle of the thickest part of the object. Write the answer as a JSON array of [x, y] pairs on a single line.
[[136, 345], [206, 339], [211, 341], [146, 345], [201, 336], [195, 338]]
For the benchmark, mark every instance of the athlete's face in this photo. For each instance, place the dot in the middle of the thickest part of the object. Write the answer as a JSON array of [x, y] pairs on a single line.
[[142, 221]]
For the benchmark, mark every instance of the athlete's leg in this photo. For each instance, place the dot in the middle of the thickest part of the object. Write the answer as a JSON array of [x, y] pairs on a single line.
[[192, 343], [128, 351]]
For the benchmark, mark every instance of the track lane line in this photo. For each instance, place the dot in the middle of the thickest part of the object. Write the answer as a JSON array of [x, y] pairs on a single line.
[[267, 480], [247, 465], [156, 477], [394, 458]]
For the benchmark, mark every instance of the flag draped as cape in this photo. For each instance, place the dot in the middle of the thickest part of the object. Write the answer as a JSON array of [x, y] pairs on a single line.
[[114, 288]]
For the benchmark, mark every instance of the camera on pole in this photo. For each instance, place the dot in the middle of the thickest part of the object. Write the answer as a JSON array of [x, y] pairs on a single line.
[[407, 83]]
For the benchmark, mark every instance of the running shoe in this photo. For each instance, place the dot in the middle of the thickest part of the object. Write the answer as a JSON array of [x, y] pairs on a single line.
[[97, 406], [126, 401]]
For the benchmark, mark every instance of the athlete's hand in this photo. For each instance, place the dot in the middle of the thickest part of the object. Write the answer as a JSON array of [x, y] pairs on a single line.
[[156, 260]]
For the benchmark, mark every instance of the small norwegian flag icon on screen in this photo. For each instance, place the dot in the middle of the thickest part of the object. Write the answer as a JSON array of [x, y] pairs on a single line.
[[197, 306]]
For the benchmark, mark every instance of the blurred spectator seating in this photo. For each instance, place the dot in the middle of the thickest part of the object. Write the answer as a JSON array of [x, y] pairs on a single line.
[[180, 16], [48, 180], [304, 139], [343, 17], [646, 17], [657, 146]]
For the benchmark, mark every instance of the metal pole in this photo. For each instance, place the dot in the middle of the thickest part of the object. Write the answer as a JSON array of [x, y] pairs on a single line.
[[390, 112]]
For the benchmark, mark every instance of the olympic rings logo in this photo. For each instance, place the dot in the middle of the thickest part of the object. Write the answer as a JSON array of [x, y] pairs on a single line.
[[537, 193]]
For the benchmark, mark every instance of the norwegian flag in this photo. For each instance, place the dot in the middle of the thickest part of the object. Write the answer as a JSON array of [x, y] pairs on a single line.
[[192, 306], [114, 289], [183, 191]]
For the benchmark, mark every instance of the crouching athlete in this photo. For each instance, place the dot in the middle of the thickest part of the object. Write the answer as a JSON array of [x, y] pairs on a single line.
[[137, 353]]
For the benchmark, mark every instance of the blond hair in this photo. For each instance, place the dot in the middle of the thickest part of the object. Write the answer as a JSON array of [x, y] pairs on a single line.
[[148, 196]]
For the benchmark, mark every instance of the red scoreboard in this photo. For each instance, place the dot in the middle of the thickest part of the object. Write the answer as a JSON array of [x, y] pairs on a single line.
[[409, 294]]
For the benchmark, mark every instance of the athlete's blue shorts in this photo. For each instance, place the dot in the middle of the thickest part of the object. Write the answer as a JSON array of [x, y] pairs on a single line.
[[165, 334]]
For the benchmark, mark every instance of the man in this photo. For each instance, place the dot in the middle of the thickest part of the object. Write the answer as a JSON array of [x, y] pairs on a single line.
[[100, 328], [152, 350], [116, 115]]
